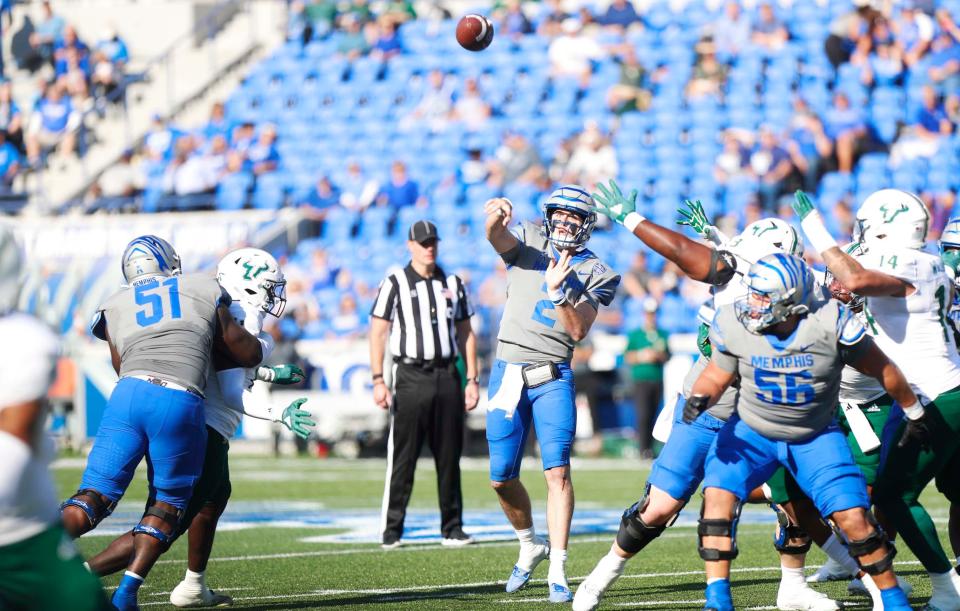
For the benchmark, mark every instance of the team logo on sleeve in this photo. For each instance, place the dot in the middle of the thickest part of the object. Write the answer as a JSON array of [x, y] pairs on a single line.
[[599, 269]]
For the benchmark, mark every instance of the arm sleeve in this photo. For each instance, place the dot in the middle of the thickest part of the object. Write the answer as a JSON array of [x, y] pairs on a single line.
[[510, 257], [604, 290], [98, 327], [464, 307], [386, 302], [235, 388], [723, 265]]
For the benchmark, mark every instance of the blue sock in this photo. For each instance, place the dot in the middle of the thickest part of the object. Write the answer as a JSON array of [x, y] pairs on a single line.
[[718, 595], [894, 598], [125, 597]]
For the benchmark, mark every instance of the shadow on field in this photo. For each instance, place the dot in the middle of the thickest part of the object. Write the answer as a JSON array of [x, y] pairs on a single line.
[[449, 593]]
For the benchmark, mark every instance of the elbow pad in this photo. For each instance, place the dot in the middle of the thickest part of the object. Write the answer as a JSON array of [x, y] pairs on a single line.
[[719, 277]]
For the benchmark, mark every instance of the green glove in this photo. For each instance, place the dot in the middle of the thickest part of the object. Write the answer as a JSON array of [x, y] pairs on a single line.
[[695, 218], [612, 203], [297, 420], [281, 374], [802, 205], [703, 340]]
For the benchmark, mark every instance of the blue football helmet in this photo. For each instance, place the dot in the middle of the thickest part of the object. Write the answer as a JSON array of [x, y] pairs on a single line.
[[779, 285], [149, 255], [575, 199]]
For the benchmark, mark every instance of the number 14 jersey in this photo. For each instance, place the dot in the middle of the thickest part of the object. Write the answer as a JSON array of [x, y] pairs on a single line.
[[914, 331], [164, 326]]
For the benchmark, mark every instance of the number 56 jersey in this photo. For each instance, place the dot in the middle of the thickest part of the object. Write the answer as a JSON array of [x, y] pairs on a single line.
[[914, 331], [789, 387], [164, 327]]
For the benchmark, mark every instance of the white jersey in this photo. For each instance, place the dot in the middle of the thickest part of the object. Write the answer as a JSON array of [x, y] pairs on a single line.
[[219, 416], [28, 500], [914, 331]]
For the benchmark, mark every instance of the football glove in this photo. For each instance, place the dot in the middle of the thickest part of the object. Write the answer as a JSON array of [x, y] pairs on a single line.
[[281, 374], [917, 429], [612, 203], [802, 206], [694, 406], [694, 217], [703, 340], [297, 420]]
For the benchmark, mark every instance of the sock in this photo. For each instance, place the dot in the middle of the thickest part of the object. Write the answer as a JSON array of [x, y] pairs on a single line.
[[558, 567], [86, 565], [197, 580], [130, 583], [792, 577], [526, 536], [837, 551], [941, 581], [612, 563], [872, 588], [714, 580], [893, 598]]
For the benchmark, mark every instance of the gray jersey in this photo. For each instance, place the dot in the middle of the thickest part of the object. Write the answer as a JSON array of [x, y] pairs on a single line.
[[164, 327], [529, 330], [789, 388], [724, 407]]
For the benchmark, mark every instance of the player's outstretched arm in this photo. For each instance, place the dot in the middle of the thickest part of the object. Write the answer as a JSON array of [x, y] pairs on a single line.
[[236, 396], [236, 342], [499, 211], [851, 274], [698, 261], [693, 215]]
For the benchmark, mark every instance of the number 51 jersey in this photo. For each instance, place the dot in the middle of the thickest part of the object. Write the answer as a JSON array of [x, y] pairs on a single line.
[[915, 331], [164, 326]]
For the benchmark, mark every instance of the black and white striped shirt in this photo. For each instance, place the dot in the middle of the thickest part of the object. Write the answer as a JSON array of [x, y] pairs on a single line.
[[423, 312]]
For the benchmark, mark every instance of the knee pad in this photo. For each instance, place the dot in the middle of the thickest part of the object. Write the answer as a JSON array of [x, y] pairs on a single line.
[[634, 533], [171, 519], [92, 504], [718, 528], [869, 544], [786, 532]]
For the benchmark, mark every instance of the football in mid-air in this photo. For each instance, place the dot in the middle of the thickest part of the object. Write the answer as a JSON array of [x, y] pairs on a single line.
[[474, 32]]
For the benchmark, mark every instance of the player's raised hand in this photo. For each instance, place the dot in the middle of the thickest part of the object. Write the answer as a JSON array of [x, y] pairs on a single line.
[[695, 217], [557, 271], [694, 406], [803, 205], [611, 202], [500, 208], [298, 420]]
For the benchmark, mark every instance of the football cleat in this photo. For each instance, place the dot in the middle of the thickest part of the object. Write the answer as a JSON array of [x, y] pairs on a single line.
[[186, 595], [457, 539], [830, 571], [804, 599], [123, 600], [537, 553], [560, 593], [593, 588], [943, 601]]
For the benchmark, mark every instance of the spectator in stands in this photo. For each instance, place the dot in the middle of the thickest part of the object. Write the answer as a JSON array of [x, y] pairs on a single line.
[[243, 137], [709, 75], [620, 15], [944, 61], [594, 159], [73, 72], [646, 352], [353, 43], [48, 31], [69, 40], [913, 30], [9, 163], [770, 163], [347, 323], [733, 160], [517, 160], [637, 280], [217, 124], [105, 76], [474, 169], [572, 54], [6, 9], [11, 119], [358, 191], [512, 21], [399, 11], [769, 32], [551, 18], [808, 144], [262, 156], [360, 10], [158, 143], [54, 124], [883, 67], [922, 135], [122, 179], [322, 197], [846, 30], [731, 32], [188, 174], [847, 128], [631, 92], [388, 42], [298, 23], [113, 47], [321, 15], [470, 108], [435, 106], [401, 191], [951, 107]]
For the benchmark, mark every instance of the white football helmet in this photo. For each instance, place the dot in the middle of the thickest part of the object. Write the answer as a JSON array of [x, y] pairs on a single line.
[[892, 218], [780, 285], [950, 247], [777, 233], [838, 291], [11, 263], [253, 277]]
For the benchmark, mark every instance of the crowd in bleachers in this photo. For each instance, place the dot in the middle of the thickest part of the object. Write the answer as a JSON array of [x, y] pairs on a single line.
[[368, 121]]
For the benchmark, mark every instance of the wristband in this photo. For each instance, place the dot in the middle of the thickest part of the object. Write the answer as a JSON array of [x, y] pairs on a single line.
[[557, 296], [632, 220], [265, 374], [817, 233], [377, 376], [914, 412], [475, 380]]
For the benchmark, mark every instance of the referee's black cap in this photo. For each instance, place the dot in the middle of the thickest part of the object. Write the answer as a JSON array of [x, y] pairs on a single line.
[[422, 231]]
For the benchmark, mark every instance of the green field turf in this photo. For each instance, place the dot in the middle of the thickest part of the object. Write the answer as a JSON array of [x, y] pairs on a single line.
[[274, 567]]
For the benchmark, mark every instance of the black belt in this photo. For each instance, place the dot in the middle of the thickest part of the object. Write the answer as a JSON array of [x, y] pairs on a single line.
[[422, 364]]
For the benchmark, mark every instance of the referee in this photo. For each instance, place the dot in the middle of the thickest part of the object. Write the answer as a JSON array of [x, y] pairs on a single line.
[[425, 313]]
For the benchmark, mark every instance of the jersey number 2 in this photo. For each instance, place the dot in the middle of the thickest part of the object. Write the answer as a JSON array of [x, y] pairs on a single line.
[[150, 296]]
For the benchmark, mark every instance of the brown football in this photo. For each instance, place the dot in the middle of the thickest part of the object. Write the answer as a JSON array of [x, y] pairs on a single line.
[[474, 32]]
